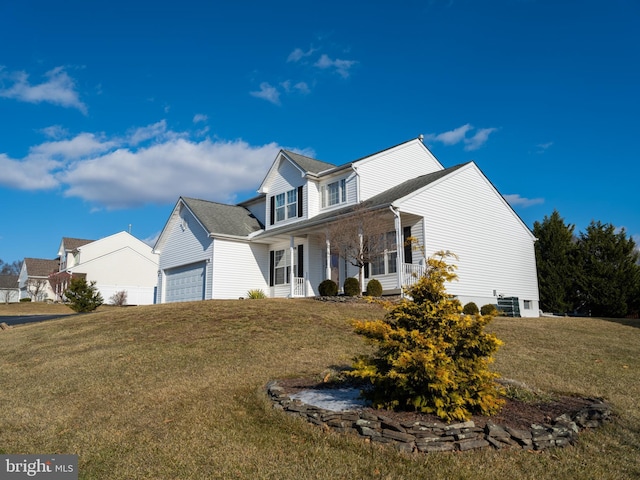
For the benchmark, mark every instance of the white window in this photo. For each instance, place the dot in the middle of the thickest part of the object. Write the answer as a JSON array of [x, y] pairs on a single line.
[[527, 304], [280, 210], [334, 193], [286, 205], [387, 261], [282, 268], [292, 203]]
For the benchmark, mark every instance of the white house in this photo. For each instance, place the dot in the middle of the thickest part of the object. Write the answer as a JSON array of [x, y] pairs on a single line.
[[278, 241], [33, 279], [9, 290], [119, 262]]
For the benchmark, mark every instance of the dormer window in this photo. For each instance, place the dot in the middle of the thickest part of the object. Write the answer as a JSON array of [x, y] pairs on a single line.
[[334, 193], [286, 205]]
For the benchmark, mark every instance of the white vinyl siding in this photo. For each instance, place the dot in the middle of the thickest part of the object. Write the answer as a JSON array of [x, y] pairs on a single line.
[[187, 243], [467, 216], [338, 192], [394, 166], [239, 267]]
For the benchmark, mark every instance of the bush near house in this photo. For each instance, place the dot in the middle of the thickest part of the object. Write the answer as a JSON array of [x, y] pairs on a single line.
[[83, 297], [374, 288], [489, 309], [352, 287], [470, 309], [430, 358], [328, 288]]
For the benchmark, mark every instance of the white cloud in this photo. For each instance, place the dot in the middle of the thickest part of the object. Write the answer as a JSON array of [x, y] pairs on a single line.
[[515, 200], [123, 172], [55, 131], [342, 67], [163, 172], [479, 139], [199, 117], [298, 54], [59, 89], [267, 92], [459, 135]]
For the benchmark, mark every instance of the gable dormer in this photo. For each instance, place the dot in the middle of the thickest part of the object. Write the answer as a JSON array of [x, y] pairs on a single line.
[[290, 186]]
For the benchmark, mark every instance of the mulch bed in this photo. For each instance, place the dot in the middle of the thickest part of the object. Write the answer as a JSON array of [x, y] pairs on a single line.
[[515, 413]]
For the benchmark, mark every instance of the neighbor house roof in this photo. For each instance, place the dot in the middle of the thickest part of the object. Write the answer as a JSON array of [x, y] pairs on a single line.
[[41, 267], [71, 244], [8, 281], [223, 219]]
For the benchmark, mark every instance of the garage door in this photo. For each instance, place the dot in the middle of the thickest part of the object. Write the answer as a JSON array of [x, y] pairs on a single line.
[[184, 284]]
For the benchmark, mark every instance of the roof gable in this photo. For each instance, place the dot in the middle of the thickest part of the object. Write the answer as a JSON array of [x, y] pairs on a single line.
[[305, 165], [8, 281], [220, 218], [69, 244], [41, 267]]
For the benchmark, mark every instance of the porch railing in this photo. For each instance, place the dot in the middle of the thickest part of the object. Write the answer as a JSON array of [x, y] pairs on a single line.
[[411, 273], [299, 287]]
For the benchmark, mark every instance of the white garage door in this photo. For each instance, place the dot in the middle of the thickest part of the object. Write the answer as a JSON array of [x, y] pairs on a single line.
[[184, 284]]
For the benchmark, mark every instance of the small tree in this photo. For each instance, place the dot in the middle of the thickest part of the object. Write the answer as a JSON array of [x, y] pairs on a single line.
[[119, 299], [37, 288], [429, 357], [83, 296]]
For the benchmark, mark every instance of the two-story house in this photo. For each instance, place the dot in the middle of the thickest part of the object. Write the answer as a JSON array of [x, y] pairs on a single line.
[[279, 241]]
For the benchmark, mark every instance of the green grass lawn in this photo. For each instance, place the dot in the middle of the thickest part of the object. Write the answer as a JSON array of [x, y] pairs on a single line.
[[177, 392]]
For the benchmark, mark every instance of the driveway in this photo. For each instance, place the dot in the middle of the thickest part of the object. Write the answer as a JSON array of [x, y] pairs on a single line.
[[22, 319]]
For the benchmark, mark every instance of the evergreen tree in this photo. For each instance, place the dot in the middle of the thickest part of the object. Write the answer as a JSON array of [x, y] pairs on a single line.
[[430, 358], [555, 261], [609, 279], [83, 296]]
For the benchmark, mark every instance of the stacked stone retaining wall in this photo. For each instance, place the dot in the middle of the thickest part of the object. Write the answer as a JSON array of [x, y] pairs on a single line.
[[418, 436]]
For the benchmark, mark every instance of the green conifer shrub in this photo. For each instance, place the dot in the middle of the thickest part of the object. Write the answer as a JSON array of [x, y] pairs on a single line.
[[489, 309], [470, 309], [374, 288], [328, 288], [352, 287], [430, 358], [82, 296]]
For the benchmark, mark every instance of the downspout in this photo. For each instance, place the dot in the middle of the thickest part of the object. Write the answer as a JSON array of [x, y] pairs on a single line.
[[399, 247]]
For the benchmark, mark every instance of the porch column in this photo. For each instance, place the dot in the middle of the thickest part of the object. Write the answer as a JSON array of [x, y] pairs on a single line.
[[327, 273], [292, 271], [399, 248]]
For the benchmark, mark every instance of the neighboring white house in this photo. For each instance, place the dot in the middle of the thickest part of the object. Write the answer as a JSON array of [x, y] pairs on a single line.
[[9, 290], [119, 262], [33, 279], [278, 241]]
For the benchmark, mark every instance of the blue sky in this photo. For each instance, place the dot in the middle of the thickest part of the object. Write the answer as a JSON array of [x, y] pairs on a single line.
[[112, 110]]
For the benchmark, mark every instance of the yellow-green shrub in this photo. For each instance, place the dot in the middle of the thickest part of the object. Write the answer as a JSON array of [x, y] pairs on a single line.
[[430, 358]]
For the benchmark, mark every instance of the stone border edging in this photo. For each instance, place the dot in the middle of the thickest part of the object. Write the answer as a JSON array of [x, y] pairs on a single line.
[[427, 437]]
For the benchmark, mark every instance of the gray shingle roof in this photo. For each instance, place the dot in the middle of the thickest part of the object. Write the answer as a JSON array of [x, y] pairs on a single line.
[[41, 267], [309, 164], [223, 219], [71, 244], [8, 281]]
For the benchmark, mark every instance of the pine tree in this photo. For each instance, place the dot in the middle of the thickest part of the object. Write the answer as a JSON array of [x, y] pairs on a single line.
[[555, 260], [430, 357], [83, 297], [609, 278]]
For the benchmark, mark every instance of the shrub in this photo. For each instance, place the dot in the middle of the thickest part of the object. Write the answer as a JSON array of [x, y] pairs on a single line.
[[352, 287], [470, 309], [119, 299], [328, 288], [83, 296], [430, 358], [25, 299], [256, 294], [489, 309], [374, 288]]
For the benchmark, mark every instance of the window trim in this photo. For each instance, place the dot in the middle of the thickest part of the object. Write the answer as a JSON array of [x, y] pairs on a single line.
[[325, 193]]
